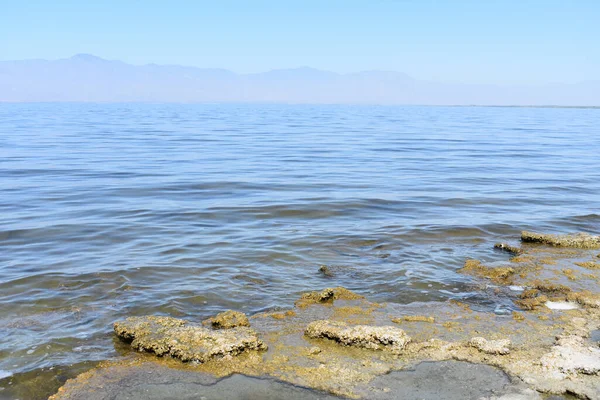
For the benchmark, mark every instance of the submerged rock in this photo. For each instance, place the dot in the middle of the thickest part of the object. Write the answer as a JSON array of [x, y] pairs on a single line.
[[227, 320], [508, 248], [166, 336], [370, 337], [589, 264], [282, 315], [323, 269], [412, 318], [491, 346], [502, 275], [577, 240], [327, 296]]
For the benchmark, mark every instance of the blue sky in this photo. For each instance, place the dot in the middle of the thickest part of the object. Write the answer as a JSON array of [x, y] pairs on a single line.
[[473, 41]]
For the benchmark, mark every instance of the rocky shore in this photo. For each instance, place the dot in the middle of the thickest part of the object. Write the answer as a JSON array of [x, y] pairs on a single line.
[[337, 343]]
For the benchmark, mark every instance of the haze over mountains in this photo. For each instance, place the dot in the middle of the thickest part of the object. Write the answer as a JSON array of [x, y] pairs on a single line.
[[87, 78]]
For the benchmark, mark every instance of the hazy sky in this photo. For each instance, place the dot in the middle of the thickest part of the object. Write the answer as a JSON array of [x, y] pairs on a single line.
[[472, 41]]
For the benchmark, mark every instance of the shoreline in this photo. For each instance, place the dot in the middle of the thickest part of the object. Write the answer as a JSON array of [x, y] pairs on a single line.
[[543, 346]]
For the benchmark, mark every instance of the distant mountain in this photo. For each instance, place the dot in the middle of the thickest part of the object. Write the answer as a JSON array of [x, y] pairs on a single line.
[[87, 78]]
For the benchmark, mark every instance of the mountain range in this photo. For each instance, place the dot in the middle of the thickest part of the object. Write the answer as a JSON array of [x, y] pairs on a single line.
[[87, 78]]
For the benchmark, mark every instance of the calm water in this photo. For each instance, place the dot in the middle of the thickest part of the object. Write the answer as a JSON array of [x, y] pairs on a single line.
[[108, 211]]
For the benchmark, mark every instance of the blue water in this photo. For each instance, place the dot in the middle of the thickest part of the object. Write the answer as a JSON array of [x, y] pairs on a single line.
[[108, 211]]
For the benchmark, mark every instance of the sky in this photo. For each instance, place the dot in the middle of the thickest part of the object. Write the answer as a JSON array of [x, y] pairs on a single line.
[[468, 41]]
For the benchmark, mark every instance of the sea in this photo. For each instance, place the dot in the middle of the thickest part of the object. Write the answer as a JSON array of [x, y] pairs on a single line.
[[116, 210]]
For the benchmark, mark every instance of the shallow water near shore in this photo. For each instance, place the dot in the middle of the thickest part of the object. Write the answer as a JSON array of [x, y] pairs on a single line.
[[109, 211]]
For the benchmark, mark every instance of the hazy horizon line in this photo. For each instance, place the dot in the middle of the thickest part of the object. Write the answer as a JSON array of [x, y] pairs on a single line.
[[93, 79], [91, 57], [303, 104]]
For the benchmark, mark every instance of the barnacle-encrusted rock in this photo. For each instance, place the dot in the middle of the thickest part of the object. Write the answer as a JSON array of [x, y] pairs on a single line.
[[370, 337], [578, 240], [166, 336], [227, 320], [501, 346]]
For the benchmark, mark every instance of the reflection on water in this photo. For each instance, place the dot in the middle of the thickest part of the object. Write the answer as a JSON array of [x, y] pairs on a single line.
[[115, 210]]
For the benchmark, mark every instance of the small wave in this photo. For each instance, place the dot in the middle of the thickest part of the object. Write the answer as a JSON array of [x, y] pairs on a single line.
[[5, 374]]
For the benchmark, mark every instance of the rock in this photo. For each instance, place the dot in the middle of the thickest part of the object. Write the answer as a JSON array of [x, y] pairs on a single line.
[[578, 240], [548, 287], [282, 315], [589, 264], [571, 356], [502, 275], [529, 293], [370, 337], [327, 296], [508, 248], [314, 350], [533, 298], [325, 271], [491, 346], [166, 336], [227, 320], [585, 298]]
